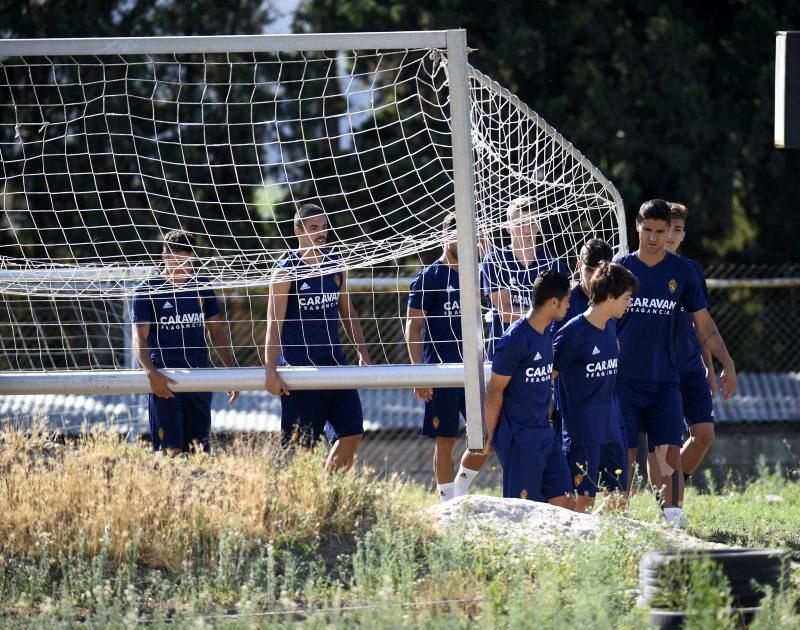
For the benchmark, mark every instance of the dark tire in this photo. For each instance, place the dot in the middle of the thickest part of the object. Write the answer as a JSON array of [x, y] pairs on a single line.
[[747, 570], [675, 619]]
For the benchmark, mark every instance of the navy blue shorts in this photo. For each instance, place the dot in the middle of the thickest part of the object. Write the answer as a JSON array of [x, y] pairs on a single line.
[[306, 414], [537, 471], [652, 408], [696, 397], [604, 466], [442, 413], [180, 421]]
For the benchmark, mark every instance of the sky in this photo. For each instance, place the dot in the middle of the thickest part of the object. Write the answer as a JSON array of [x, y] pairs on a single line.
[[283, 24]]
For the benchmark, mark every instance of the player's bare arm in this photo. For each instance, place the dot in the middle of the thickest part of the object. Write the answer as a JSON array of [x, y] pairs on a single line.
[[276, 313], [501, 301], [415, 322], [709, 337], [220, 339], [494, 403], [159, 383], [352, 325]]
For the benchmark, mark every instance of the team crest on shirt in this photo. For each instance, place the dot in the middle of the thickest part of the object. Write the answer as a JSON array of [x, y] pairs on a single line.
[[523, 494], [338, 280], [435, 422], [673, 285], [161, 433], [578, 479]]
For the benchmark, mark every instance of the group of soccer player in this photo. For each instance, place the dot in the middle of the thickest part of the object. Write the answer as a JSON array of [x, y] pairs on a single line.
[[577, 373]]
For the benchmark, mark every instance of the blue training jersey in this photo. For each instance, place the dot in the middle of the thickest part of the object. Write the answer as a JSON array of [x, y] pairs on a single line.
[[501, 270], [648, 332], [586, 359], [527, 357], [435, 290], [310, 333], [177, 316], [690, 358]]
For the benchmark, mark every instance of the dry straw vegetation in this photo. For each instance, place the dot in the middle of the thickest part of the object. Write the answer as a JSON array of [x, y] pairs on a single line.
[[104, 532]]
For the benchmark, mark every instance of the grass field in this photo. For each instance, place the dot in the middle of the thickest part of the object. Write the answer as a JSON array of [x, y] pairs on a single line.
[[104, 532]]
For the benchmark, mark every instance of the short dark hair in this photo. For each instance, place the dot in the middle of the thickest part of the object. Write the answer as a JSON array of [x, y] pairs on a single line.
[[656, 209], [305, 211], [610, 281], [179, 241], [595, 251], [678, 211], [549, 284]]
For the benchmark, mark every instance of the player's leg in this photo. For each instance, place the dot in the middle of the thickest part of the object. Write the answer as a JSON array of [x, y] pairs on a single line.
[[613, 476], [698, 411], [346, 416], [441, 422], [471, 463], [166, 424], [197, 421], [556, 482], [664, 422], [631, 412], [584, 464]]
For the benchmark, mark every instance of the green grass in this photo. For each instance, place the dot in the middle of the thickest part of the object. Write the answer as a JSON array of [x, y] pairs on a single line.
[[262, 540]]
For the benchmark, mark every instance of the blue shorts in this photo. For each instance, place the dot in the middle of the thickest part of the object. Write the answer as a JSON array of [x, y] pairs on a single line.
[[696, 397], [180, 421], [654, 408], [604, 466], [537, 471], [306, 414], [442, 412]]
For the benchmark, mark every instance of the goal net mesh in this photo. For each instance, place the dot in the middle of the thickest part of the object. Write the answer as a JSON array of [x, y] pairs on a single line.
[[101, 155]]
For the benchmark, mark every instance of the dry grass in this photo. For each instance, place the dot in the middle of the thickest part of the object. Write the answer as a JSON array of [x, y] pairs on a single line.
[[168, 512]]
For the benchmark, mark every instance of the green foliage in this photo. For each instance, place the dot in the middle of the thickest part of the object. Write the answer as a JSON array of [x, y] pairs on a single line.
[[667, 99]]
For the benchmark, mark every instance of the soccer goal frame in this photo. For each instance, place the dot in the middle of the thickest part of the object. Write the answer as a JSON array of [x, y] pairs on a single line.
[[470, 374]]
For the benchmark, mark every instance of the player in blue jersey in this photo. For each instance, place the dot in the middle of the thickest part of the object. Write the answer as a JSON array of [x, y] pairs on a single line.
[[170, 316], [586, 355], [507, 274], [648, 378], [308, 299], [593, 252], [695, 364], [518, 400], [434, 307]]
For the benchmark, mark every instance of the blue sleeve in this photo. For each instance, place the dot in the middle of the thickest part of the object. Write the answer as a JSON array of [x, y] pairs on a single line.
[[490, 282], [418, 297], [693, 299], [210, 302], [506, 356], [702, 276], [208, 298], [564, 349], [142, 309]]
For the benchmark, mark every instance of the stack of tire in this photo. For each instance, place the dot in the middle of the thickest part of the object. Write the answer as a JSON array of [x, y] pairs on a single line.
[[749, 572]]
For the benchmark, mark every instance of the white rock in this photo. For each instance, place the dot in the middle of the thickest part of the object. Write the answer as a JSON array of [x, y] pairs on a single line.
[[518, 520]]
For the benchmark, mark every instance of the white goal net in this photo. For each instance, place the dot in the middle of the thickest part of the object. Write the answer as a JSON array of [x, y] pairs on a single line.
[[103, 152]]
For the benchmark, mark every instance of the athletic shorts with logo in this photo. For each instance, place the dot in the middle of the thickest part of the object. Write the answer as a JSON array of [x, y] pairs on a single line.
[[306, 414], [603, 466], [652, 408], [443, 411], [536, 471], [180, 421], [696, 398]]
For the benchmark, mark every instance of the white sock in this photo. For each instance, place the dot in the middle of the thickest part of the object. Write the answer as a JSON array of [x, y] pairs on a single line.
[[464, 478], [446, 491]]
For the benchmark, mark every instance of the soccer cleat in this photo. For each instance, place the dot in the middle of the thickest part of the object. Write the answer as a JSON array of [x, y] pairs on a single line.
[[676, 518]]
